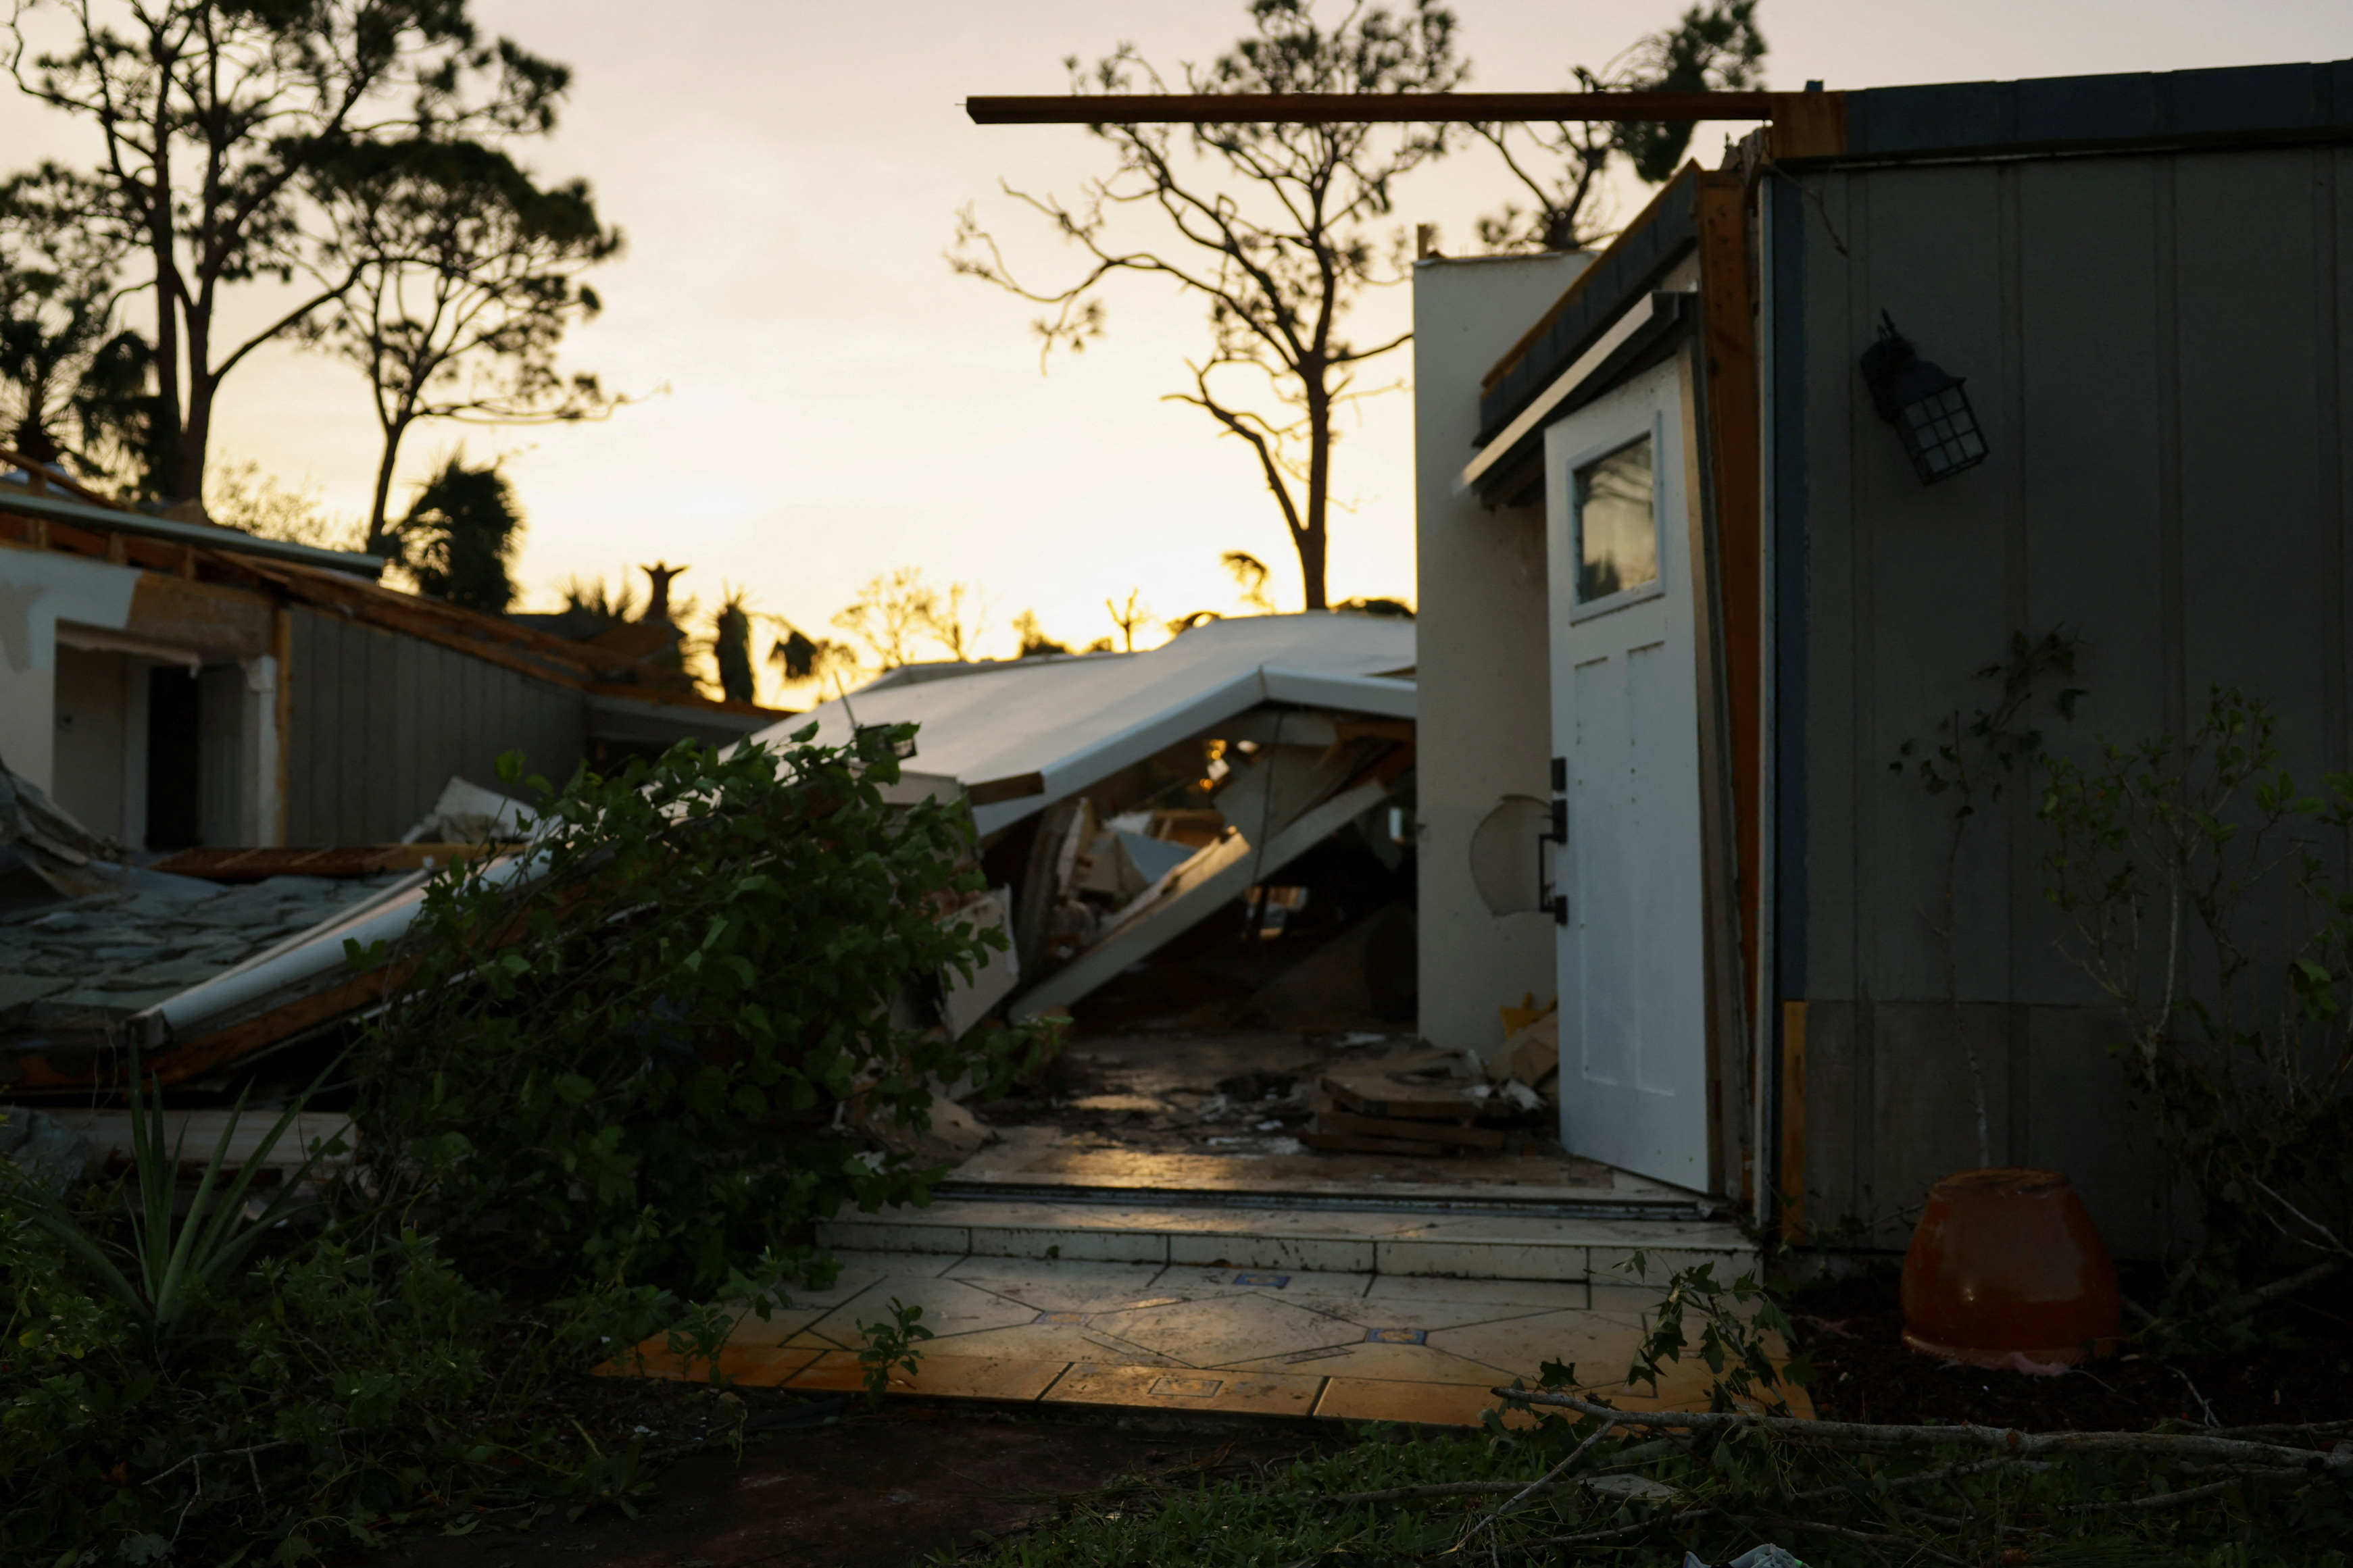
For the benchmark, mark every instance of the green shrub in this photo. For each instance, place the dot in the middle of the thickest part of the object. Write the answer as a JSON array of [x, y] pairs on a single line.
[[594, 1100], [641, 1064], [2208, 897]]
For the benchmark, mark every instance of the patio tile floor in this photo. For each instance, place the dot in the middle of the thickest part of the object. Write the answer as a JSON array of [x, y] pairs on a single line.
[[1334, 1345]]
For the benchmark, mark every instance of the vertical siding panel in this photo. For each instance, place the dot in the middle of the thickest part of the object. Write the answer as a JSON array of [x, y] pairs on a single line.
[[300, 748], [2328, 478], [2254, 595], [2090, 323], [421, 776], [2340, 348], [351, 816], [2093, 429]]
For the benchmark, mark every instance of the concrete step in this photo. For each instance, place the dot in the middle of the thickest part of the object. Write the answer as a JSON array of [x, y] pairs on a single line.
[[1458, 1245]]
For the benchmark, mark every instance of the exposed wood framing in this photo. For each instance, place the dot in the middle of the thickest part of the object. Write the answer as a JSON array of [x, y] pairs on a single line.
[[1793, 1121], [1729, 341], [1805, 111]]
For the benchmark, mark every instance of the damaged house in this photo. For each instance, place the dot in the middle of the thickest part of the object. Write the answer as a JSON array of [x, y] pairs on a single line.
[[1124, 799], [215, 741], [1714, 522]]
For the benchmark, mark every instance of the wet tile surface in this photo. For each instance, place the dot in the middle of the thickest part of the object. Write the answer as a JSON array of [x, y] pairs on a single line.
[[1353, 1346]]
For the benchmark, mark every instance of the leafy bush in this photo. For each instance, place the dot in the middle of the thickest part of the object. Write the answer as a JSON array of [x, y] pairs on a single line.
[[2208, 898], [598, 1096], [642, 1061], [322, 1400]]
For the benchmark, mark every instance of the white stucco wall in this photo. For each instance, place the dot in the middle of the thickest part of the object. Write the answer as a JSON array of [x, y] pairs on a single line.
[[39, 588], [1485, 707]]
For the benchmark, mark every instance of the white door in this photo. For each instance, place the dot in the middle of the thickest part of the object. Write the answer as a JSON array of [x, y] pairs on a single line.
[[1625, 695]]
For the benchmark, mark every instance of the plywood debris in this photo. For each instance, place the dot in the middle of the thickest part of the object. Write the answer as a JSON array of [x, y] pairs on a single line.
[[1424, 1102]]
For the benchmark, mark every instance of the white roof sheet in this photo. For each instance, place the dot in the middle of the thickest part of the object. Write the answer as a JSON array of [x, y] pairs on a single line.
[[1076, 720]]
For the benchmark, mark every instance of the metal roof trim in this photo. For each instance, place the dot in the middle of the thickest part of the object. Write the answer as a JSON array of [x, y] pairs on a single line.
[[208, 536], [1630, 268], [2145, 109], [1535, 415]]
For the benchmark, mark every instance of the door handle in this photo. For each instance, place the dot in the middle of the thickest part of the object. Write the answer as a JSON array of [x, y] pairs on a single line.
[[1550, 896]]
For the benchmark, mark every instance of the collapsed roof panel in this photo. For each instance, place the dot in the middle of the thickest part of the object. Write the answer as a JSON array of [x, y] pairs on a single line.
[[1054, 726]]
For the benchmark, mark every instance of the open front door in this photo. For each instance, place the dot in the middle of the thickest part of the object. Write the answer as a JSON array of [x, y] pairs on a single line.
[[1625, 693]]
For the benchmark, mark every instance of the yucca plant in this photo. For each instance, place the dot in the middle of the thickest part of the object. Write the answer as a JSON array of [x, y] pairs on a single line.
[[171, 1256]]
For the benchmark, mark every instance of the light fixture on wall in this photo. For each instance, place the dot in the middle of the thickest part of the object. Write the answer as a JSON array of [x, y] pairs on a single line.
[[1930, 409]]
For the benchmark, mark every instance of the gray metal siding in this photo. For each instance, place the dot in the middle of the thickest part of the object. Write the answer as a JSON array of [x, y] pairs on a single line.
[[2284, 102], [2153, 345], [382, 721]]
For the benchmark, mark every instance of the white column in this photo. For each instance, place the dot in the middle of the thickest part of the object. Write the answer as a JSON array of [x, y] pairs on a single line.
[[258, 812]]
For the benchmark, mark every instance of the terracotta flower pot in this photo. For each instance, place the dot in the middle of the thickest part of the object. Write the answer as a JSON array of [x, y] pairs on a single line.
[[2007, 1270]]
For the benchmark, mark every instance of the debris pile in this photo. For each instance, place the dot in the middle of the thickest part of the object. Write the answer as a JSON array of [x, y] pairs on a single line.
[[1439, 1102]]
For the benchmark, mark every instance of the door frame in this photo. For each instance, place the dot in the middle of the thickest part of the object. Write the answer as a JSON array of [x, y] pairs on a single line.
[[1728, 1049]]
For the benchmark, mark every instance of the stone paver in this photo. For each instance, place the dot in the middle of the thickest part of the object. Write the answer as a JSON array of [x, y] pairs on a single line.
[[1359, 1346]]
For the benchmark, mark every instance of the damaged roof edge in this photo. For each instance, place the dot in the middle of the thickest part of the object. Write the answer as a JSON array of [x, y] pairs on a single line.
[[210, 536], [1381, 695], [279, 974]]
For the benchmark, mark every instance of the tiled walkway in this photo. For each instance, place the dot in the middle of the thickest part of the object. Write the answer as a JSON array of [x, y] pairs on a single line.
[[1356, 1346]]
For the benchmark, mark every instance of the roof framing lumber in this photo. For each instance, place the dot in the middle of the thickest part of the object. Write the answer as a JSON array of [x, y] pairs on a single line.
[[1381, 108]]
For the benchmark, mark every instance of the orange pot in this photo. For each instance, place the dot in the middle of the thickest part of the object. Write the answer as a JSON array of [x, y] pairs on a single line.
[[2007, 1267]]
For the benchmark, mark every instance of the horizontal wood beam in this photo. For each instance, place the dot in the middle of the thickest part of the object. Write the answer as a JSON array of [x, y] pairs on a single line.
[[1364, 108]]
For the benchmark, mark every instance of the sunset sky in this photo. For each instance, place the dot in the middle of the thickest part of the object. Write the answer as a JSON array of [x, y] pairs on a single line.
[[837, 404]]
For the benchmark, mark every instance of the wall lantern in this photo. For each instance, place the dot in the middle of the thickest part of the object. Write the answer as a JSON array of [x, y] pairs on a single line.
[[1928, 408]]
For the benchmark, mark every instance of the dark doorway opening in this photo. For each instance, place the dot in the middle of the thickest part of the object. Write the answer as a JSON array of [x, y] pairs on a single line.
[[172, 768]]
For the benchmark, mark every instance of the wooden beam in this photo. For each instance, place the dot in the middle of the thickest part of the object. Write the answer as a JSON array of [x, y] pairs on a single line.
[[1793, 1122], [1391, 108], [1735, 447]]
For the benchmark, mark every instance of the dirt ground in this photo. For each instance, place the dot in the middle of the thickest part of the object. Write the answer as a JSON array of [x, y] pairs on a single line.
[[849, 1488], [1851, 1331]]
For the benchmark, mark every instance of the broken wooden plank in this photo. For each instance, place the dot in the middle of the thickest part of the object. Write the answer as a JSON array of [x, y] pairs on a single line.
[[1433, 1133], [1356, 1143], [1373, 1093]]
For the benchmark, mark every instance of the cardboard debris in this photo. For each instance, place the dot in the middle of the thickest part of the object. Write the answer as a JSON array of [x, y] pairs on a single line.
[[956, 1133], [1423, 1102], [1526, 1013], [469, 813], [1530, 1057]]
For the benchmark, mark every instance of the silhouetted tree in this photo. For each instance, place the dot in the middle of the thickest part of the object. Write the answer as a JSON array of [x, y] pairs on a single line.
[[890, 613], [1715, 47], [214, 115], [468, 277], [459, 536], [1269, 224], [1034, 640], [731, 647], [76, 390]]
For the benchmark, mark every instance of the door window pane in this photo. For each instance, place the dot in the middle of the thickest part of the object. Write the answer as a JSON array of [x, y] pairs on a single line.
[[1617, 538]]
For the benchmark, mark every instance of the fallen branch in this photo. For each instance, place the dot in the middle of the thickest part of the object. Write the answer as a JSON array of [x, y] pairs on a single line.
[[2008, 1439], [2161, 1500], [1550, 1478], [1435, 1489], [1867, 1537], [1666, 1521], [2287, 1286], [2316, 1428]]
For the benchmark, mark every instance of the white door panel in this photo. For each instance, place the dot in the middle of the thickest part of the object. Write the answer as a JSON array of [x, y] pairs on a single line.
[[1626, 724]]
